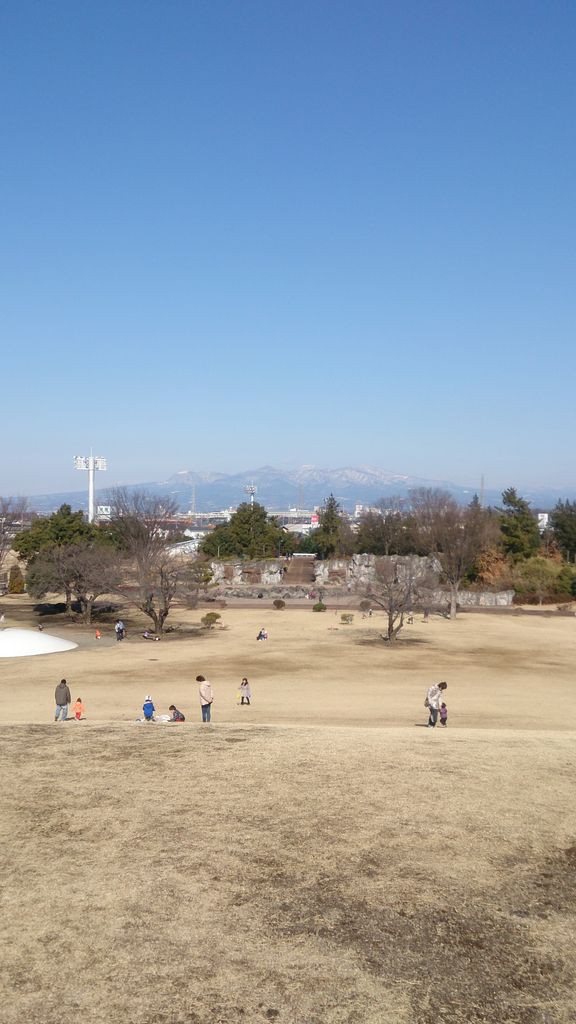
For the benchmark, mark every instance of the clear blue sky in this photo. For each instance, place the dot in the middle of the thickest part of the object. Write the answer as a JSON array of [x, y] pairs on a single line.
[[238, 232]]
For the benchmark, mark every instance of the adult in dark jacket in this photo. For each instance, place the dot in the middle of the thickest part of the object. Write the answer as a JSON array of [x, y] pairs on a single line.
[[63, 698]]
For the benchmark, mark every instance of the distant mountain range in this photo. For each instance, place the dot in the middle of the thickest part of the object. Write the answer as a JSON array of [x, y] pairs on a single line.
[[304, 487]]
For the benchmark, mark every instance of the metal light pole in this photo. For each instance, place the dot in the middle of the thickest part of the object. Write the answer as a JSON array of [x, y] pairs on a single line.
[[251, 490], [91, 463]]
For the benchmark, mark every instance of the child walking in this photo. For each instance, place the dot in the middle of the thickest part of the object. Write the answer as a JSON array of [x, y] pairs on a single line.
[[78, 709], [245, 691], [443, 715]]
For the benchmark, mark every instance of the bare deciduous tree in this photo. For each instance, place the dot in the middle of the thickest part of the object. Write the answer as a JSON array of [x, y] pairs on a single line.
[[455, 536], [84, 570], [397, 585], [50, 573], [196, 577], [94, 570], [140, 524]]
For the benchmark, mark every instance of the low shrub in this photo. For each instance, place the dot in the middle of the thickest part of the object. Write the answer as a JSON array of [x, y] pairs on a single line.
[[210, 619], [319, 607], [347, 618], [279, 604]]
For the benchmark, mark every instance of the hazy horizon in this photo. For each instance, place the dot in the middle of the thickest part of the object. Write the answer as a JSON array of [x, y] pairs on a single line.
[[106, 480]]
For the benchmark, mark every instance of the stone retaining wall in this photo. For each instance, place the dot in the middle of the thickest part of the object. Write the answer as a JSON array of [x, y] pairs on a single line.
[[341, 578]]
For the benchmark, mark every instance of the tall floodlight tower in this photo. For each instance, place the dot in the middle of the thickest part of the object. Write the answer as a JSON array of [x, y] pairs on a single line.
[[91, 463], [251, 490]]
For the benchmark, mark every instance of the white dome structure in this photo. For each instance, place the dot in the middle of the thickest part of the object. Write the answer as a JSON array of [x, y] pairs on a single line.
[[23, 643]]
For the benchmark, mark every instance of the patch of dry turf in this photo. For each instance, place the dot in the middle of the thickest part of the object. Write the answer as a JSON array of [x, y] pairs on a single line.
[[221, 875]]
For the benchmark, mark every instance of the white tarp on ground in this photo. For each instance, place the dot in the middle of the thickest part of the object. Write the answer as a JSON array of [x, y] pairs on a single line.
[[22, 643]]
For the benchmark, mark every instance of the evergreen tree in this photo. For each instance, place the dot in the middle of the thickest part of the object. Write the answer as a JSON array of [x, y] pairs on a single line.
[[333, 538], [563, 524], [60, 529], [249, 534], [518, 526], [53, 548]]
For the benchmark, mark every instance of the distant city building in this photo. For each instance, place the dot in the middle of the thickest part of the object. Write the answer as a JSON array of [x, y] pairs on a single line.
[[362, 510], [543, 521]]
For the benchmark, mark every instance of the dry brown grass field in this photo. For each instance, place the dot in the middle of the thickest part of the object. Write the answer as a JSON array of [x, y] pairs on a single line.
[[316, 858]]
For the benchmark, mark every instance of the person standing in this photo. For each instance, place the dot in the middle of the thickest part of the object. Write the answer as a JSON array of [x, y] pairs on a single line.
[[443, 715], [206, 697], [63, 698], [245, 691], [433, 701], [119, 629]]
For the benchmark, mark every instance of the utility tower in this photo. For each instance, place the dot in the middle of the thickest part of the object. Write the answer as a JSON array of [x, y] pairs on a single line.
[[91, 463], [251, 490]]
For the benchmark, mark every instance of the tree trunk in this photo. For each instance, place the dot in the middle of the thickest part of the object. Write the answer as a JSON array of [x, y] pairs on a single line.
[[453, 600], [68, 602], [155, 616], [393, 629]]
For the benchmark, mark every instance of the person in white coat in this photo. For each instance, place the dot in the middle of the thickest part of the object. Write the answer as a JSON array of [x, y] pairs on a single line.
[[206, 697], [433, 701]]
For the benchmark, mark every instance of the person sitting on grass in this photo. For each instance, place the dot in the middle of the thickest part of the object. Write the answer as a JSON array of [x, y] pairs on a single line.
[[148, 709], [177, 716], [148, 635]]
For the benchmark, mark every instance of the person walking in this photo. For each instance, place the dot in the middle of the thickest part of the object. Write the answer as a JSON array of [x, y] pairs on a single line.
[[63, 698], [433, 701], [206, 697], [245, 691], [78, 709], [443, 715]]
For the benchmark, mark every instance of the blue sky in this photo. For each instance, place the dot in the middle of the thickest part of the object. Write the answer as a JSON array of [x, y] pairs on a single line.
[[239, 232]]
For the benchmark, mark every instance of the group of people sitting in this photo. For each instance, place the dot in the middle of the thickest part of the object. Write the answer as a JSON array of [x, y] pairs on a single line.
[[149, 712]]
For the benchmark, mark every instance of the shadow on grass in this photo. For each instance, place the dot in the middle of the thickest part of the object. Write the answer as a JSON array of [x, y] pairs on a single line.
[[377, 640], [495, 970]]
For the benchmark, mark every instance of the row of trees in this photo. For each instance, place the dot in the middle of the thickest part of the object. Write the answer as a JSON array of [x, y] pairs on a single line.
[[405, 526], [495, 547], [131, 556]]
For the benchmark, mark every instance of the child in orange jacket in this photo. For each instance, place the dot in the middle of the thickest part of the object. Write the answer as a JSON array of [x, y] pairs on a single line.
[[78, 709]]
